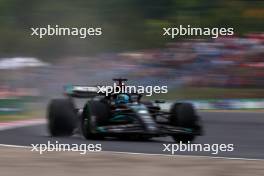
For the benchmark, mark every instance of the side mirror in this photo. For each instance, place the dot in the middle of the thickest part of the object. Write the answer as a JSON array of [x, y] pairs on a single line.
[[159, 101]]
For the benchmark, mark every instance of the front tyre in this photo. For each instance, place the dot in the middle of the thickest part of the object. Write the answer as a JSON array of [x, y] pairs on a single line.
[[184, 115], [62, 117]]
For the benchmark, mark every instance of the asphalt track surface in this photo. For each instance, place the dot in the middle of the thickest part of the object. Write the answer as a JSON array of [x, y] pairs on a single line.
[[243, 129]]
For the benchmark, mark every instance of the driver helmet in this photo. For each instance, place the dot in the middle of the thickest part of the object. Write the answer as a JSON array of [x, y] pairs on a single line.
[[122, 99]]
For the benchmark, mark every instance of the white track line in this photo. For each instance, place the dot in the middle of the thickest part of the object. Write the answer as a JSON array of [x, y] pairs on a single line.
[[15, 146], [186, 156], [150, 154]]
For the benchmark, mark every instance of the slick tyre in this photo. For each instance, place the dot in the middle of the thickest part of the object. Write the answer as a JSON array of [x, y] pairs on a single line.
[[95, 114], [183, 115], [62, 117]]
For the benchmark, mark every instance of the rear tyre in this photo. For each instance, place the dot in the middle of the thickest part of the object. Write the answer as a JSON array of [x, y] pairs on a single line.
[[62, 117], [183, 115], [95, 114]]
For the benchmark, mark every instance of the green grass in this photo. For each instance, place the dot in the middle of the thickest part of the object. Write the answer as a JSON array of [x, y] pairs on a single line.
[[22, 116], [7, 118]]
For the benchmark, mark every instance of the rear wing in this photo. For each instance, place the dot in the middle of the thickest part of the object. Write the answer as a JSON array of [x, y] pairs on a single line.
[[81, 91]]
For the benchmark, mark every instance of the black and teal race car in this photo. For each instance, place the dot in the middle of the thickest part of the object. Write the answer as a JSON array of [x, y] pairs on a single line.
[[122, 115]]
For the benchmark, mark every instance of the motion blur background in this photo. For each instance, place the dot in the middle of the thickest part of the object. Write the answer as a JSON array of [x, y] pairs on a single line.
[[225, 73]]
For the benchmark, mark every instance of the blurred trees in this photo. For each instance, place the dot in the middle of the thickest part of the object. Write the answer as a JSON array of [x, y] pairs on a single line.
[[127, 24]]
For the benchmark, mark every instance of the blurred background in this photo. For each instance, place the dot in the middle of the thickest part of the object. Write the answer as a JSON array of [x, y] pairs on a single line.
[[222, 73]]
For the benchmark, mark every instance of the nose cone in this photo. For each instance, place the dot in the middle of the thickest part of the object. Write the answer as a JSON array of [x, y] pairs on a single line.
[[145, 118]]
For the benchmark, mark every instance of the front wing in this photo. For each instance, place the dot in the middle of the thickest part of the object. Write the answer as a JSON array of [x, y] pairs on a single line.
[[130, 129]]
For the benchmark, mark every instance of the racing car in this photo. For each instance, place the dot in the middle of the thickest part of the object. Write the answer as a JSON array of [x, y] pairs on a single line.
[[120, 115]]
